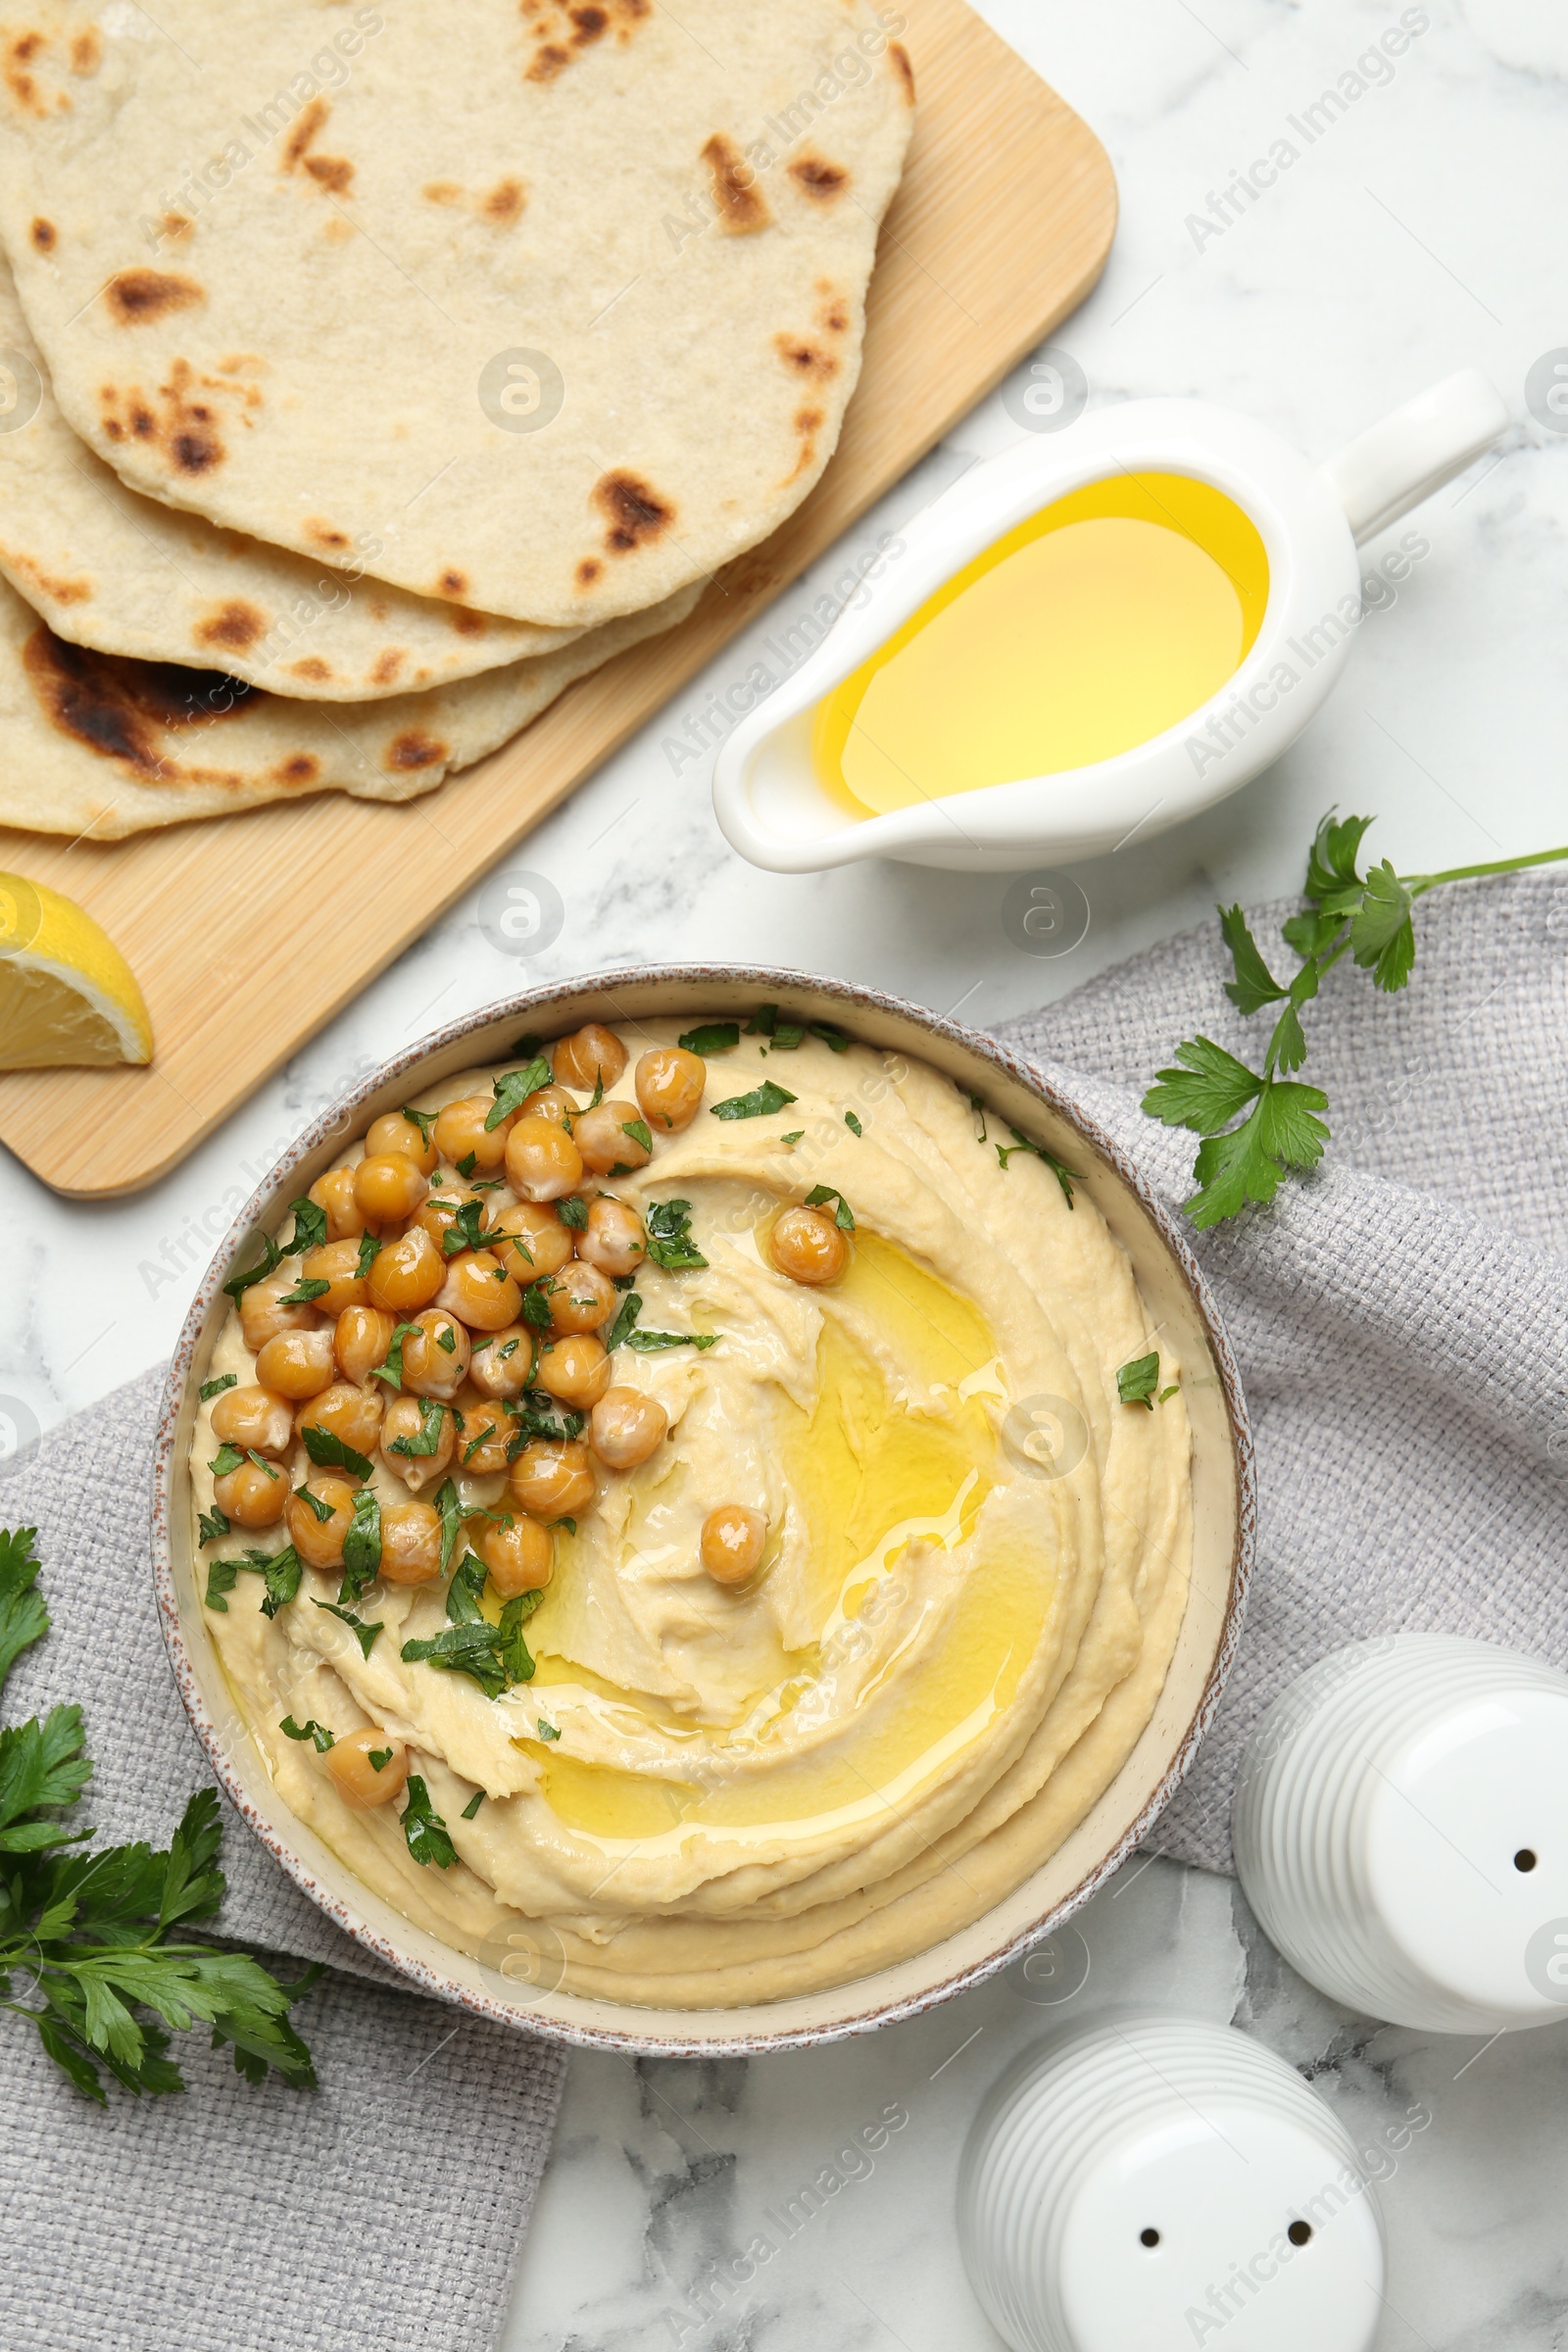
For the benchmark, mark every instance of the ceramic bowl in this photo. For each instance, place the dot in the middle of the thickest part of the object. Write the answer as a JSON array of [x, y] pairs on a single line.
[[1223, 1499]]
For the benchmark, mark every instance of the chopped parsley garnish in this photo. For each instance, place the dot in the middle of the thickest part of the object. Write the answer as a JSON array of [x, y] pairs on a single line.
[[513, 1088], [281, 1570], [370, 1252], [212, 1525], [852, 1123], [329, 1451], [760, 1103], [819, 1197], [364, 1633], [226, 1461], [468, 1163], [669, 1237], [446, 1338], [649, 1343], [536, 1304], [449, 1508], [573, 1213], [523, 1049], [1066, 1177], [313, 1730], [598, 1095], [424, 1832], [463, 1231], [428, 1440], [547, 1731], [793, 1139], [1137, 1381], [260, 1462], [424, 1120], [215, 1387], [392, 1370], [310, 1229], [711, 1037], [465, 1590], [785, 1035], [306, 1291], [495, 1656], [362, 1547], [313, 1503], [222, 1578], [378, 1758], [979, 1109], [625, 1323], [271, 1259], [473, 1804]]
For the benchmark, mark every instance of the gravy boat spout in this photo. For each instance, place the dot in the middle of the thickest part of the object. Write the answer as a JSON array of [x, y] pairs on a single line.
[[787, 804]]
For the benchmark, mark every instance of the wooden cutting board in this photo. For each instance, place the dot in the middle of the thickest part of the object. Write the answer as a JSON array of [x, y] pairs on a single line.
[[999, 228]]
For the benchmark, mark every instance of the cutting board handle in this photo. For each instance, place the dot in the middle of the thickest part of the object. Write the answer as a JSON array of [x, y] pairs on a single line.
[[1413, 451]]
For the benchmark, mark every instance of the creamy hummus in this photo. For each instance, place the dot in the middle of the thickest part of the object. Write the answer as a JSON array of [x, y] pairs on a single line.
[[977, 1567]]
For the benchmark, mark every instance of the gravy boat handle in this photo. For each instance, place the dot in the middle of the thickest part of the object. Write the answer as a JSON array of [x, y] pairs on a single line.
[[1414, 450]]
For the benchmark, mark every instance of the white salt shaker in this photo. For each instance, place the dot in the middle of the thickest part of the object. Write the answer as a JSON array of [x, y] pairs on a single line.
[[1400, 1828], [1152, 2181]]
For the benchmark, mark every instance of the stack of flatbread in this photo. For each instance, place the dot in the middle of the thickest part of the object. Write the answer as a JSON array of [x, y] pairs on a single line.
[[370, 374]]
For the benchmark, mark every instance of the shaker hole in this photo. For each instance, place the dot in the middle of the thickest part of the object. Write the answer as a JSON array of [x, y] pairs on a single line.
[[1524, 1859], [1300, 2232], [1148, 2238]]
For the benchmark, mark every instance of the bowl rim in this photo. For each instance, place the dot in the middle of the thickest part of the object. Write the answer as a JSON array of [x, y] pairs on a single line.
[[337, 1121]]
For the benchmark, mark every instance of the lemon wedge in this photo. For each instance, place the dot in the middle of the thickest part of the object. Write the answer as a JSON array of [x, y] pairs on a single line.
[[67, 996]]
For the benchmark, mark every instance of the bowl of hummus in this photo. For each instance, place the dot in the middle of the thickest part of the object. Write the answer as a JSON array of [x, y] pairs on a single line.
[[702, 1510]]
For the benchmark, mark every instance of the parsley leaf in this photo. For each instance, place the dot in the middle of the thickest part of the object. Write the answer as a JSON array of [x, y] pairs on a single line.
[[215, 1387], [711, 1037], [23, 1619], [819, 1197], [226, 1461], [364, 1633], [313, 1502], [513, 1090], [449, 1508], [370, 1252], [212, 1526], [1066, 1177], [1137, 1381], [637, 1129], [306, 1291], [329, 1451], [625, 1323], [669, 1237], [312, 1730], [463, 1231], [424, 1120], [852, 1123], [428, 1441], [424, 1832], [271, 1259], [649, 1343], [760, 1103], [473, 1804], [310, 1229], [574, 1214], [392, 1370], [222, 1578], [468, 1163], [547, 1731], [362, 1547]]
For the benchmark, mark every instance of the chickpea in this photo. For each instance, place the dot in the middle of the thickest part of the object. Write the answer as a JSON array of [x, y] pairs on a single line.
[[808, 1246], [501, 1364], [354, 1774], [520, 1558], [590, 1056], [254, 1418], [461, 1131], [482, 1441], [603, 1140], [440, 1212], [580, 1299], [479, 1289], [614, 1239], [410, 1542], [261, 1315], [406, 1273], [542, 1243], [250, 1497], [575, 1370], [350, 1413], [553, 1478], [669, 1085], [363, 1336], [297, 1363], [543, 1163], [732, 1543], [334, 1192], [336, 1264], [554, 1104], [435, 1355], [395, 1131], [626, 1427], [403, 1423], [319, 1541], [388, 1188]]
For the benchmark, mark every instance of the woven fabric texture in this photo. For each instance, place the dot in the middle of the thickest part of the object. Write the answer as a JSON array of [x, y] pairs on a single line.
[[1401, 1318], [384, 2208]]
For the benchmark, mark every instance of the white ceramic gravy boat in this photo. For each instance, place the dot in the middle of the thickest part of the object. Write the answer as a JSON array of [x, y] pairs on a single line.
[[771, 803]]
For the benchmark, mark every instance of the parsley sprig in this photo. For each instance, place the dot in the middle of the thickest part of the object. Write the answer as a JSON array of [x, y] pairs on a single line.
[[1347, 913], [95, 1948]]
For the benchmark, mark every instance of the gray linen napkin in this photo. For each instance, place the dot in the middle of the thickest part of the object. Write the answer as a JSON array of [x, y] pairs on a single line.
[[1400, 1319], [384, 2208]]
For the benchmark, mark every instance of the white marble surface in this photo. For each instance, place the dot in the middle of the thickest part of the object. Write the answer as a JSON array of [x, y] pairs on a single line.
[[1420, 233]]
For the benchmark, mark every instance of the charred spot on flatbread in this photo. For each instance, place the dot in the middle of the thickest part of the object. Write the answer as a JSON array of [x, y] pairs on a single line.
[[504, 203], [136, 297], [387, 666], [326, 536], [235, 626], [119, 708], [44, 235], [330, 171], [559, 33], [451, 583], [634, 513], [300, 767], [468, 623], [86, 51], [818, 178], [803, 357], [313, 668], [588, 571], [414, 750], [742, 207], [47, 584], [176, 226], [178, 419], [20, 58]]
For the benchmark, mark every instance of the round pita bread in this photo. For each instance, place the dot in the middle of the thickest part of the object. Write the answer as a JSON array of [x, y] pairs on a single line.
[[546, 310], [98, 745], [110, 569]]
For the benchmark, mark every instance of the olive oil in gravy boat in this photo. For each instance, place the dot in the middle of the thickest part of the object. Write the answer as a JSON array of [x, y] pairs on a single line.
[[1303, 522]]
